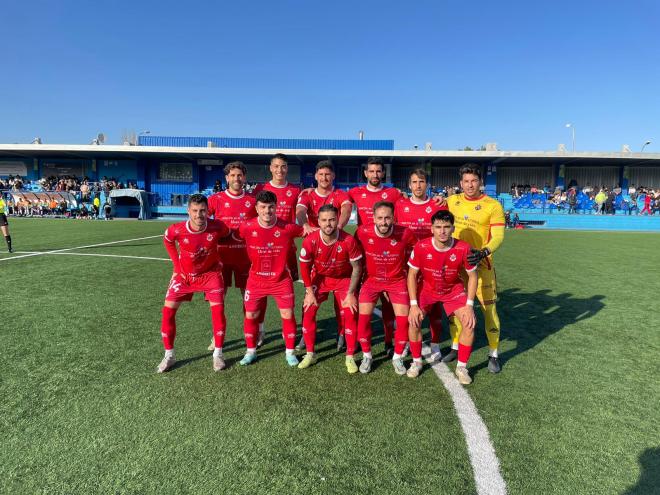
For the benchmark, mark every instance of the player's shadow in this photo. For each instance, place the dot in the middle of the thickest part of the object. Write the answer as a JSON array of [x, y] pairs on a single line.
[[530, 317], [649, 481]]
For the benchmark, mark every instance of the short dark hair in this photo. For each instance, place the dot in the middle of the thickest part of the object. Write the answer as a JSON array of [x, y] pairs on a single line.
[[328, 207], [470, 168], [199, 199], [419, 172], [237, 164], [267, 197], [325, 164], [280, 156], [384, 204], [442, 216], [375, 160]]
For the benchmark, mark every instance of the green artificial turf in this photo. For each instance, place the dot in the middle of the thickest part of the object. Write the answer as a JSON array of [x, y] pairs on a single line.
[[575, 408]]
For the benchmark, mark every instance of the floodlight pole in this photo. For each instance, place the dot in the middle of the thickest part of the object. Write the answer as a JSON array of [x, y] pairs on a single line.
[[644, 146]]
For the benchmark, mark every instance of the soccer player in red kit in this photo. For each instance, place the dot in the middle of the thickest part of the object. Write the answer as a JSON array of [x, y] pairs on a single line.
[[268, 241], [197, 267], [234, 207], [330, 262], [307, 213], [441, 259], [287, 198], [415, 213], [386, 248]]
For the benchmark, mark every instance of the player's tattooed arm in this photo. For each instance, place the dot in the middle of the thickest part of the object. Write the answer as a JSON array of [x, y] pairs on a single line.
[[351, 301], [415, 315], [466, 315]]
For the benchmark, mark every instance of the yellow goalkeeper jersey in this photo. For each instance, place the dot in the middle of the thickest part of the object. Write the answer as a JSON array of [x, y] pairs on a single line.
[[479, 222]]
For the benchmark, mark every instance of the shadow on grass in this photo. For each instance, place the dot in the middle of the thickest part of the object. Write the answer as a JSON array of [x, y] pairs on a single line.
[[649, 481], [530, 317]]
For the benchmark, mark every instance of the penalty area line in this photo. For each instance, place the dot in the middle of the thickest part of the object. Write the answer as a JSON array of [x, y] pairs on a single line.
[[56, 251], [97, 254], [484, 461]]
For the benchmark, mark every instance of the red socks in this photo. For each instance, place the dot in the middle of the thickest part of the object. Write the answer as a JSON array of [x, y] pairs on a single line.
[[416, 349], [401, 334], [435, 318], [464, 352], [168, 327], [364, 332], [350, 330], [289, 332], [250, 330], [219, 325], [339, 317], [309, 327]]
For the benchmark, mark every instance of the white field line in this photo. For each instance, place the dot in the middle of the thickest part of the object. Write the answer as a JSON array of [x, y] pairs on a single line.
[[485, 465], [95, 254], [41, 253]]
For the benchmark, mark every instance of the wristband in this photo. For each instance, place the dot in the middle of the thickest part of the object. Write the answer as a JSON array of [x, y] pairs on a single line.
[[470, 302], [413, 302]]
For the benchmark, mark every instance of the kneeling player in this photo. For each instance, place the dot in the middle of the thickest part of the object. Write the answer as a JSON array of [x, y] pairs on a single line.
[[197, 268], [386, 247], [441, 259], [269, 240], [329, 261]]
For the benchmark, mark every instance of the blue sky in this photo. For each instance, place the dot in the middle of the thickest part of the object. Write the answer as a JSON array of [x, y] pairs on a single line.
[[455, 73]]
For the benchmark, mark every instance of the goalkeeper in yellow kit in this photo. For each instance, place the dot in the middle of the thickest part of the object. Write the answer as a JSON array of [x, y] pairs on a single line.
[[479, 221]]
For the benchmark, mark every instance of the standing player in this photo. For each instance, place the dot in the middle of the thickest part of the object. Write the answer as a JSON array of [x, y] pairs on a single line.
[[307, 213], [386, 248], [234, 207], [330, 262], [480, 223], [287, 198], [4, 224], [268, 241], [441, 259], [197, 268], [415, 213], [365, 197]]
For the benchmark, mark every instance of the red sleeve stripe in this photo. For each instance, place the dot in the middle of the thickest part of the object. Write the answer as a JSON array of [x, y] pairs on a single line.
[[497, 225]]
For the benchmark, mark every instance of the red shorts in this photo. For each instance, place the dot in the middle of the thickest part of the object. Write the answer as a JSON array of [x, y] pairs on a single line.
[[396, 290], [324, 285], [257, 291], [210, 283], [239, 273], [456, 299]]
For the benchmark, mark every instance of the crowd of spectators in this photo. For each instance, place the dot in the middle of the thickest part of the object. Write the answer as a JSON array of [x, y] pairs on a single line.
[[12, 183]]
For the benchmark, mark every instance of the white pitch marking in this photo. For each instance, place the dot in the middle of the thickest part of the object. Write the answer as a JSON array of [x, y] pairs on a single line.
[[485, 465], [484, 461], [41, 253], [96, 254]]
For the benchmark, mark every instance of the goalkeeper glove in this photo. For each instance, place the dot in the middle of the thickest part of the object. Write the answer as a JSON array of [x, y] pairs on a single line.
[[476, 255]]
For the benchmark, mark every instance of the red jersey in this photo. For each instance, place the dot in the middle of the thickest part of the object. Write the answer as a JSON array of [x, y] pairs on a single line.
[[268, 248], [365, 198], [330, 260], [234, 211], [385, 256], [440, 268], [198, 250], [312, 202], [416, 216], [287, 198]]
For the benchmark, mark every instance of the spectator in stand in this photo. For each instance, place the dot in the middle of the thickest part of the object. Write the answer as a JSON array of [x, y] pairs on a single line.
[[507, 219], [600, 201], [217, 187], [516, 220], [84, 191], [609, 202], [648, 198], [588, 189], [572, 201], [632, 190], [632, 202], [107, 210]]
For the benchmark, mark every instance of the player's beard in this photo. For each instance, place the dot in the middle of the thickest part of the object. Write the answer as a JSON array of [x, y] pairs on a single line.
[[236, 187], [375, 182], [386, 229]]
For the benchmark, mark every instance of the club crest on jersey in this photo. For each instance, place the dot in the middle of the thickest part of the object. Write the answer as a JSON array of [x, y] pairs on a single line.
[[277, 233], [209, 237], [384, 195], [428, 209], [452, 257], [458, 203], [338, 249], [478, 207], [288, 193], [393, 242], [466, 217]]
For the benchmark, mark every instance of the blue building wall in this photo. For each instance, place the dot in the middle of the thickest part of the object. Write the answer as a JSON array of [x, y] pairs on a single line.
[[121, 170], [264, 143]]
